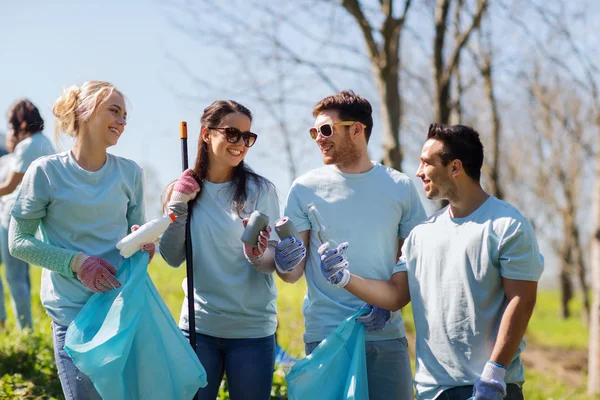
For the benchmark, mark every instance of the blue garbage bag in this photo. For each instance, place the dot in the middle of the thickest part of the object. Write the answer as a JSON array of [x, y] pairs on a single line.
[[127, 342], [336, 369]]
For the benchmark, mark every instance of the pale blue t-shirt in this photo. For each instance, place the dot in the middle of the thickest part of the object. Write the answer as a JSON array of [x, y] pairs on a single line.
[[371, 211], [27, 151], [455, 269], [232, 300], [82, 211]]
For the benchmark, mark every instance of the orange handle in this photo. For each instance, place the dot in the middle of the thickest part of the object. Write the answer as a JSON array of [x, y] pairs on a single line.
[[183, 130]]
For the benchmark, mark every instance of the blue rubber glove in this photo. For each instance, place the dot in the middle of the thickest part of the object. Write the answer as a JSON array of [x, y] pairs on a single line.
[[334, 264], [376, 319], [490, 386], [288, 254]]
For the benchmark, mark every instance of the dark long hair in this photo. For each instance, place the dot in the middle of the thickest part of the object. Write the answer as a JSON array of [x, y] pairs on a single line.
[[24, 117], [241, 174]]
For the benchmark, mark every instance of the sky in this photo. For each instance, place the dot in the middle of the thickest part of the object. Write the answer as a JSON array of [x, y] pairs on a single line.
[[47, 46]]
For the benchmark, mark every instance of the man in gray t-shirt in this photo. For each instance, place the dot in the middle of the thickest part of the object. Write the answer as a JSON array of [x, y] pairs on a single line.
[[471, 273]]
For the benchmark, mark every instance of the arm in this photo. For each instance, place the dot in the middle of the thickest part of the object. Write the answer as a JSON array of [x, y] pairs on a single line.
[[10, 184], [172, 242], [295, 274], [392, 294], [521, 297], [25, 246]]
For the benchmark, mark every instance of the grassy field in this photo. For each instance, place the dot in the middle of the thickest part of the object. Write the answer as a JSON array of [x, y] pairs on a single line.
[[27, 366]]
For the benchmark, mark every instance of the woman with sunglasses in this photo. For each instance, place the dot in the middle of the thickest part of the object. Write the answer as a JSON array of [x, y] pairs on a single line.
[[234, 287]]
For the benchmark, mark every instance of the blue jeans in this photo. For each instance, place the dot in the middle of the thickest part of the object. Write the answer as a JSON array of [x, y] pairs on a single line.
[[75, 384], [247, 363], [513, 392], [17, 276], [388, 369]]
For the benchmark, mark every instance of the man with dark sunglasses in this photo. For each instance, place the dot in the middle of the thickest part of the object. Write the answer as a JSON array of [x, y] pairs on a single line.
[[369, 209]]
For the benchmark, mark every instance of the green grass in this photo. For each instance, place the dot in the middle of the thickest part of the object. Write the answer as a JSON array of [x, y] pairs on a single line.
[[27, 366], [546, 328]]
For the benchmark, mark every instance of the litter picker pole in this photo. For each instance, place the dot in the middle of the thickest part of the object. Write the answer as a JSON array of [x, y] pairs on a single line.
[[188, 244]]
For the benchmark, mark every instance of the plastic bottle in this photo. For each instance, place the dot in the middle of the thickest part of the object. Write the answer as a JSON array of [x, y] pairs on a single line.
[[146, 233], [323, 233], [256, 223]]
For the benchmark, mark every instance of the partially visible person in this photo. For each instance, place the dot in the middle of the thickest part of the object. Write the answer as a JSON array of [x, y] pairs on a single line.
[[27, 143]]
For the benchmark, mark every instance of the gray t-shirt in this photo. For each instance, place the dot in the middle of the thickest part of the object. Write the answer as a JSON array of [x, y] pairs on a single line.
[[455, 269]]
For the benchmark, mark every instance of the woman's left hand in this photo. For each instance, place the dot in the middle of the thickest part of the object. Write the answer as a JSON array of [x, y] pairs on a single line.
[[255, 253], [148, 247]]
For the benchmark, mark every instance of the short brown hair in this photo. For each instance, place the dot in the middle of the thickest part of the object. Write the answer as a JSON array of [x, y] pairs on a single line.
[[24, 117], [350, 106], [460, 143]]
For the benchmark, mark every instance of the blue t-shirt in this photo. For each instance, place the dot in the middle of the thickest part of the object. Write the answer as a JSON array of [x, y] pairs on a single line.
[[232, 300], [27, 151], [455, 269], [82, 211], [371, 211]]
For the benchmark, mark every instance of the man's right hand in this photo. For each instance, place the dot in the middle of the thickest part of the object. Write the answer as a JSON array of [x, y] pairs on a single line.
[[288, 254], [186, 187], [96, 274]]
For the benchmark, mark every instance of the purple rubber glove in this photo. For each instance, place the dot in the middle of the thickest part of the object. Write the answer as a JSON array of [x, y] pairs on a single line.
[[490, 386], [376, 319], [96, 274], [186, 187], [334, 264], [288, 254]]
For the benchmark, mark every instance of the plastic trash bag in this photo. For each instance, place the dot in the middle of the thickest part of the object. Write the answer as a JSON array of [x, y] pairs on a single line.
[[127, 342], [336, 369]]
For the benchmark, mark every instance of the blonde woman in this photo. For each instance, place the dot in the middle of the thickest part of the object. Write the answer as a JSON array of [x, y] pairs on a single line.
[[84, 200]]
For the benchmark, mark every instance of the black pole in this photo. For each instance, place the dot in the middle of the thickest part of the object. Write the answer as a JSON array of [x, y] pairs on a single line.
[[188, 245]]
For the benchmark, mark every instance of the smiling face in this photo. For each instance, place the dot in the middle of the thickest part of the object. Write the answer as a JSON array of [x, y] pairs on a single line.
[[437, 178], [221, 153], [336, 149], [108, 121]]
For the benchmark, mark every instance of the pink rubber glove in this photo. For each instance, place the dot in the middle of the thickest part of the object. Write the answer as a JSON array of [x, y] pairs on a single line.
[[149, 247], [96, 274], [254, 254], [186, 187]]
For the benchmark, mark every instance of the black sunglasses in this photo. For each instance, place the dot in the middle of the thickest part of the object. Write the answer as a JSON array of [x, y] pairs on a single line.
[[232, 135]]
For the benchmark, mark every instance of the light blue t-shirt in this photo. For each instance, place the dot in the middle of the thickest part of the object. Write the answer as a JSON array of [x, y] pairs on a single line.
[[232, 300], [370, 211], [455, 269], [5, 170], [82, 211], [26, 152]]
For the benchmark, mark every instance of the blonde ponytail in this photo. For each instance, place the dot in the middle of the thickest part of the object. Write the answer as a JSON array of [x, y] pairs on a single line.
[[65, 112]]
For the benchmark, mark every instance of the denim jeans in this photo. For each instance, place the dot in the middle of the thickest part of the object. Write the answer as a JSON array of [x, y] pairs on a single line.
[[388, 369], [17, 276], [75, 384], [247, 363], [513, 392]]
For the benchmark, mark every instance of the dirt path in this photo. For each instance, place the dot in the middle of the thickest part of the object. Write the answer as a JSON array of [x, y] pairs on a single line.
[[566, 365]]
